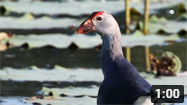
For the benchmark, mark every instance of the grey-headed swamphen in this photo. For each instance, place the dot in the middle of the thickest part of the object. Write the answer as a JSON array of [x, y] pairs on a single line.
[[122, 83]]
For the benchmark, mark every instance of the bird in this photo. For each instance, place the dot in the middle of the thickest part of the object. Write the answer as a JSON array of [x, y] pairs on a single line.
[[122, 83]]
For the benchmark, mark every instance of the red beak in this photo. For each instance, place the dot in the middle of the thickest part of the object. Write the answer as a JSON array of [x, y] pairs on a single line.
[[85, 27]]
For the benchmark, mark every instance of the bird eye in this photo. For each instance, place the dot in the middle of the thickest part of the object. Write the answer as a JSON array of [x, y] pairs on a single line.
[[99, 18]]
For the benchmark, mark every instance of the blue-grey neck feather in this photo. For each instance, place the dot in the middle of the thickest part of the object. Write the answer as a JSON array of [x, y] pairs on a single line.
[[111, 44], [122, 83], [111, 49]]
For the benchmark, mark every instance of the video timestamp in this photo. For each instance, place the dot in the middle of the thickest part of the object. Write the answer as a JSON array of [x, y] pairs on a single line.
[[167, 94]]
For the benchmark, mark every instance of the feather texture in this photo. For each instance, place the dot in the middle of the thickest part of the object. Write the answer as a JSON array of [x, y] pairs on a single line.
[[122, 83]]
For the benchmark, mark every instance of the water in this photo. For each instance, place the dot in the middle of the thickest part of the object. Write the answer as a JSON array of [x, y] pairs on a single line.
[[47, 58]]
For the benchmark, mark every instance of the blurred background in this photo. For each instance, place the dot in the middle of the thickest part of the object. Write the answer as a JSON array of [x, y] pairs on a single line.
[[44, 62]]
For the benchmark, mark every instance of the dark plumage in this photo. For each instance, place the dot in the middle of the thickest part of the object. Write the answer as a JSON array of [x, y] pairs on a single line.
[[122, 83]]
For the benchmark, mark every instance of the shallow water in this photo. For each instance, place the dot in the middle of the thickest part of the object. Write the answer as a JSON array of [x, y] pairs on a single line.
[[48, 57], [75, 85], [32, 69], [70, 101]]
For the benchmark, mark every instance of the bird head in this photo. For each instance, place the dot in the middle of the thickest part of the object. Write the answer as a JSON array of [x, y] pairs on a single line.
[[100, 22]]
